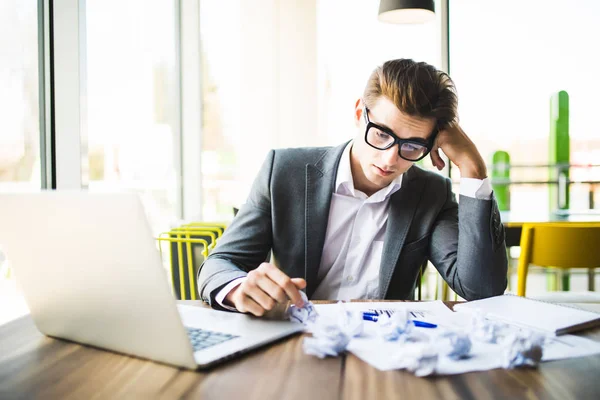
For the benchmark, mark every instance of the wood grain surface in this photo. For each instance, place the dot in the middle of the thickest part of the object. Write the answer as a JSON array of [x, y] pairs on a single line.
[[33, 366]]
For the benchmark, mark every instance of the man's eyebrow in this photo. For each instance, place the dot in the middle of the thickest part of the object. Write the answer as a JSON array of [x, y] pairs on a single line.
[[415, 138], [386, 127]]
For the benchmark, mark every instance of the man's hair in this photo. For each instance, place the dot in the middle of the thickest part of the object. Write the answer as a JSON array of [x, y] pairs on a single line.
[[416, 88]]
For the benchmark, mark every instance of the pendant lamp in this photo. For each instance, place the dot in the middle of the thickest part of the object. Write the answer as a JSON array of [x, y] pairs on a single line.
[[406, 11]]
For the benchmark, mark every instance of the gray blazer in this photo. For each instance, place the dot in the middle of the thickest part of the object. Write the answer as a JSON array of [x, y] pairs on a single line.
[[288, 209]]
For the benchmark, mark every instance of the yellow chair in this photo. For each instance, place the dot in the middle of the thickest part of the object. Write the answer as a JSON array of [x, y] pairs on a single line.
[[196, 233], [183, 269], [420, 278], [219, 228], [559, 245], [189, 245]]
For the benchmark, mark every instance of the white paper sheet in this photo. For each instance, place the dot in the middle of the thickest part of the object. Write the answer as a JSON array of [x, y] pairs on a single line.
[[383, 355], [532, 314], [428, 311]]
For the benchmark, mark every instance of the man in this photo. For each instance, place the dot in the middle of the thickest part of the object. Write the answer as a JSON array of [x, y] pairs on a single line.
[[357, 221]]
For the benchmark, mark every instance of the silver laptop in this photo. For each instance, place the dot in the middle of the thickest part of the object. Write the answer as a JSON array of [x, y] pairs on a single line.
[[91, 273]]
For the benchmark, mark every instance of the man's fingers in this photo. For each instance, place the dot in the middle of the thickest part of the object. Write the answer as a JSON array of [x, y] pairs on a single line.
[[272, 289], [436, 159], [286, 284], [432, 157], [254, 291], [299, 283], [277, 284], [248, 305], [264, 288]]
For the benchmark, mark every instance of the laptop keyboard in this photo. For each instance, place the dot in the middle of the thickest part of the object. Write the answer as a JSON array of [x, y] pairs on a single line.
[[202, 338]]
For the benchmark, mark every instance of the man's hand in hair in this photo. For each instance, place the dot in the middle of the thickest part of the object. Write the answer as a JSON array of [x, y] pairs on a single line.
[[455, 143]]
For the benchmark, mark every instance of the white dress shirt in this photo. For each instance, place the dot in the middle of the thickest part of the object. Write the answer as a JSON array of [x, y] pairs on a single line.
[[355, 233]]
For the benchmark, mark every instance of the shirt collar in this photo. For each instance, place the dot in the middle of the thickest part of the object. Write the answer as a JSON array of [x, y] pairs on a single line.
[[344, 183]]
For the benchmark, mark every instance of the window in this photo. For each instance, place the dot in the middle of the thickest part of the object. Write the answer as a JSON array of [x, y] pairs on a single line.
[[222, 121], [19, 99], [507, 59], [133, 102], [19, 124]]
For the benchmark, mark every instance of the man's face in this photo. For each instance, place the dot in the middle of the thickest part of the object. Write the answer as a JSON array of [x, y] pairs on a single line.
[[374, 169]]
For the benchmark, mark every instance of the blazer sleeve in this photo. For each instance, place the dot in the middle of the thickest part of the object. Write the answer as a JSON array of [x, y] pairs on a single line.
[[246, 241], [468, 247]]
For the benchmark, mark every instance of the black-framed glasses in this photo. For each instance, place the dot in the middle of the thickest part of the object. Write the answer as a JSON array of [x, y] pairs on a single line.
[[382, 138]]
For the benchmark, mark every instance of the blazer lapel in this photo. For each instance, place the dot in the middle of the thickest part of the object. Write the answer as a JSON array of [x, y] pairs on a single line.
[[320, 182], [403, 205]]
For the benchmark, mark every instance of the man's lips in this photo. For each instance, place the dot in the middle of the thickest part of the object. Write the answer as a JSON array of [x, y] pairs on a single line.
[[383, 172]]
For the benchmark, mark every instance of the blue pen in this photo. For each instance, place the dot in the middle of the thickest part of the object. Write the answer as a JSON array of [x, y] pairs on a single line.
[[423, 324], [371, 316]]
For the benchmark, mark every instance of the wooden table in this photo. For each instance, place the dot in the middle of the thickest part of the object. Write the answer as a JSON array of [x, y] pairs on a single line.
[[34, 366]]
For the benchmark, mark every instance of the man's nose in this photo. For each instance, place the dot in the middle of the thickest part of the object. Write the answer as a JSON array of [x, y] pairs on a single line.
[[390, 156]]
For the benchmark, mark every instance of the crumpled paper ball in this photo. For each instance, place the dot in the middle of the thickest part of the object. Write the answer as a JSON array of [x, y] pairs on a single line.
[[458, 345], [485, 330], [350, 322], [331, 338], [305, 314], [327, 340], [391, 328], [523, 349], [420, 358]]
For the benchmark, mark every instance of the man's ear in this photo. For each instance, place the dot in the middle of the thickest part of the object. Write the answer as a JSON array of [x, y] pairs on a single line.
[[358, 110]]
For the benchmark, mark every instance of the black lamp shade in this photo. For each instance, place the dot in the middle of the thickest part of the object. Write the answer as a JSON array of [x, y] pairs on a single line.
[[406, 11]]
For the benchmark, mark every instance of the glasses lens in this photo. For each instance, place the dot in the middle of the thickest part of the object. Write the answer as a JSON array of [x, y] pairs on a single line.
[[378, 138], [412, 151]]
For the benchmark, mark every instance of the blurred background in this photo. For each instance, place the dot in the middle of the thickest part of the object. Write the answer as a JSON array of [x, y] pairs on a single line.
[[180, 100]]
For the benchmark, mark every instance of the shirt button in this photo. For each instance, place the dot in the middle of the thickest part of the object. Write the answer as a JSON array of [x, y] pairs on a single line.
[[350, 278]]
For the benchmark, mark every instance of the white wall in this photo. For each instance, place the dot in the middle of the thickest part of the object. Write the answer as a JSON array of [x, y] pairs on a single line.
[[278, 96]]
